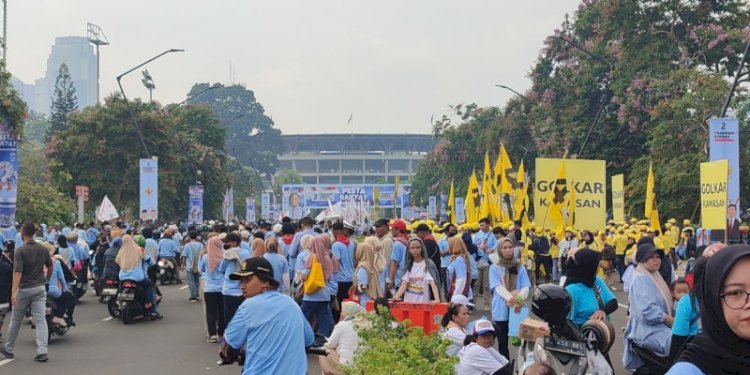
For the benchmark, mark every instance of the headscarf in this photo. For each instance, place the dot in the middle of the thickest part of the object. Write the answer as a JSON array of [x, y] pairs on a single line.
[[430, 266], [456, 244], [130, 254], [306, 241], [214, 250], [717, 349], [259, 247], [366, 258], [642, 255], [380, 260], [510, 264], [321, 249], [582, 265]]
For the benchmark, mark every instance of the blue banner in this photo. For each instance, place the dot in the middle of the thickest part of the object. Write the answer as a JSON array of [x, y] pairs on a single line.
[[724, 143], [8, 176], [149, 193], [432, 207], [195, 204], [250, 209], [318, 196], [265, 206], [443, 207]]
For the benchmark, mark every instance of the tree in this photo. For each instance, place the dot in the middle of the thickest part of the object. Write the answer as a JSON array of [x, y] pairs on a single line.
[[42, 203], [64, 100], [36, 128], [286, 177], [250, 136], [12, 107]]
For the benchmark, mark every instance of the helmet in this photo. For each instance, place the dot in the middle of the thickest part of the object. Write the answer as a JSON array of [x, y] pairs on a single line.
[[599, 333], [552, 304], [140, 240]]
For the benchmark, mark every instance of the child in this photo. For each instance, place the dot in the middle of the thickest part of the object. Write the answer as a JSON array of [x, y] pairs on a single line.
[[679, 288]]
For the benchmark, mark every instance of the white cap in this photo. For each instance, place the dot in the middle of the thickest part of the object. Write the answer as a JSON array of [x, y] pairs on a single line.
[[483, 326], [244, 234], [277, 228], [460, 299]]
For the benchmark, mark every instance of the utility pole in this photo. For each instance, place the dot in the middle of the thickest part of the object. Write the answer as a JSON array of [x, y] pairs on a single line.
[[96, 37], [5, 32]]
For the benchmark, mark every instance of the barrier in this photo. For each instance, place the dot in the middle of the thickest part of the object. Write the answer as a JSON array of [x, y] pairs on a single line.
[[426, 315]]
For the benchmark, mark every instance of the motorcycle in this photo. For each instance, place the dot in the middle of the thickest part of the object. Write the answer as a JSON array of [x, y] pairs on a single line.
[[53, 329], [109, 297], [131, 301], [567, 348], [81, 284], [166, 271]]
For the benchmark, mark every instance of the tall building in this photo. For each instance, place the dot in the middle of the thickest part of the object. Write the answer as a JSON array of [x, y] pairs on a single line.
[[78, 54], [354, 158]]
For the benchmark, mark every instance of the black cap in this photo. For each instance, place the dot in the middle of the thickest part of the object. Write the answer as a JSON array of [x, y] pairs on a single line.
[[423, 228], [259, 266], [261, 223], [381, 222], [233, 236], [644, 252]]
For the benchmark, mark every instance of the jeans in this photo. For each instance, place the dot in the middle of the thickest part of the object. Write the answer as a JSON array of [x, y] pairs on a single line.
[[194, 280], [4, 311], [231, 304], [620, 264], [36, 298], [555, 274], [321, 311], [214, 305]]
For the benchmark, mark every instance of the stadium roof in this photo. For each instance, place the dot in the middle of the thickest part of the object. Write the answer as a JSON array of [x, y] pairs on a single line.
[[358, 143]]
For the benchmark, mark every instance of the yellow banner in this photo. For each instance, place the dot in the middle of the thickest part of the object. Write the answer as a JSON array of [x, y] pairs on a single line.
[[618, 197], [590, 183], [714, 194]]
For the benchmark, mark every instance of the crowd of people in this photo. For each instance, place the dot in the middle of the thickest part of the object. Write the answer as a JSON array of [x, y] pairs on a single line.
[[313, 279]]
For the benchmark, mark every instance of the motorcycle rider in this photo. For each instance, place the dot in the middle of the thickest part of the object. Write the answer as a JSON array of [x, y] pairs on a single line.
[[134, 262], [169, 249], [59, 291], [111, 268]]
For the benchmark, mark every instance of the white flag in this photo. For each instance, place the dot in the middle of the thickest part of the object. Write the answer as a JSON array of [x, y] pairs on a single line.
[[107, 211]]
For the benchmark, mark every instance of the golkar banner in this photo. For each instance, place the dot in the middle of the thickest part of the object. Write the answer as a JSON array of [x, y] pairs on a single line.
[[8, 176], [149, 189], [618, 197], [714, 214], [589, 179], [724, 144], [195, 204]]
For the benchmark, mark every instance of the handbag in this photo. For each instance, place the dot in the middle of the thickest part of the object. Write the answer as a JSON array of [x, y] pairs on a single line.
[[316, 279]]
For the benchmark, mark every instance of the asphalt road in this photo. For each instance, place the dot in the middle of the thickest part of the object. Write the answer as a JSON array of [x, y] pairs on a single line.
[[176, 344]]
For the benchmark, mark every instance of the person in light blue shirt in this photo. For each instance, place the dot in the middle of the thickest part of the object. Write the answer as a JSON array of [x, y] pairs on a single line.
[[279, 264], [213, 301], [91, 234], [59, 292], [306, 226], [318, 304], [270, 325], [245, 244], [169, 249], [233, 257], [134, 262], [508, 277], [398, 254], [445, 256], [459, 269], [343, 249], [190, 258]]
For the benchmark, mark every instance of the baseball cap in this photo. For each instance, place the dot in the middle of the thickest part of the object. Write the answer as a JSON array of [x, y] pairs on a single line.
[[256, 266], [400, 225], [460, 299], [380, 222], [483, 326]]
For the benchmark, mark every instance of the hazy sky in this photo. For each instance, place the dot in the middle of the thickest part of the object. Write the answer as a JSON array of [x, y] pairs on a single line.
[[391, 63]]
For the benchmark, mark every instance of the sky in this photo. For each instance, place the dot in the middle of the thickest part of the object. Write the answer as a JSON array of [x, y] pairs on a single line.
[[390, 64]]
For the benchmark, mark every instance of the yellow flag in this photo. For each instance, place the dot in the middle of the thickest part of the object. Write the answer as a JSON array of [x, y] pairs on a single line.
[[489, 194], [451, 205], [473, 200], [506, 185], [557, 199], [571, 206], [650, 203], [521, 194], [654, 219]]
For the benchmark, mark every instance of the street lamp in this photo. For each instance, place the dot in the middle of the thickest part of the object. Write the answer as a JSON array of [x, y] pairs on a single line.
[[127, 104], [148, 82], [515, 92]]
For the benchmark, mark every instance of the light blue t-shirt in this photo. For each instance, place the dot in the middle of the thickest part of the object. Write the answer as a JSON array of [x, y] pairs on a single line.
[[168, 247], [457, 270], [500, 311], [345, 255], [274, 332], [214, 281], [191, 250], [152, 247], [684, 368], [138, 272], [280, 267], [362, 280], [488, 239], [685, 318], [443, 246], [584, 300], [322, 294], [227, 267], [57, 283], [398, 255]]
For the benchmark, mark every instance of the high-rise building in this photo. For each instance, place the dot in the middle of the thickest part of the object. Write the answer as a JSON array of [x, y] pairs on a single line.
[[78, 54]]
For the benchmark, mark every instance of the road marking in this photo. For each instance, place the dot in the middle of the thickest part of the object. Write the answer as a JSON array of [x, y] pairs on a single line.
[[107, 319], [184, 287], [5, 361]]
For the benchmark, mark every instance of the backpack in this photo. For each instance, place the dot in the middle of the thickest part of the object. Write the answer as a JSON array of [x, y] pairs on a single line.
[[541, 246], [69, 276]]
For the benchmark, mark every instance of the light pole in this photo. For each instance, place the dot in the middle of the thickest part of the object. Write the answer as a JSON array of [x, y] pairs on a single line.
[[515, 92], [148, 82], [127, 104], [96, 37]]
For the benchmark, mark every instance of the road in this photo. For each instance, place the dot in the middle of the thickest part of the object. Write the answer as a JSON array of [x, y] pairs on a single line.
[[175, 344]]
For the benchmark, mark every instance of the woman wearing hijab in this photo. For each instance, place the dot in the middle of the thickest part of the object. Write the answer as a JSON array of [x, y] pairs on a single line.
[[419, 282], [459, 269], [134, 262], [592, 299], [366, 279], [650, 323], [509, 283], [213, 280], [380, 260], [67, 252], [723, 347], [59, 291], [318, 304]]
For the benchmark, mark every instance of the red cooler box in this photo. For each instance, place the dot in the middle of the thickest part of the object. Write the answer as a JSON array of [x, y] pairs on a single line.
[[425, 315]]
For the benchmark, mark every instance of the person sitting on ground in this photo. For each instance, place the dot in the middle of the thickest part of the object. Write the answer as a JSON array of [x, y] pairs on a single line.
[[454, 323], [479, 356], [344, 340]]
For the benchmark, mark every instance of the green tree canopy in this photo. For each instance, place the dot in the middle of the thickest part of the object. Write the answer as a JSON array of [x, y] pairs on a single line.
[[64, 99]]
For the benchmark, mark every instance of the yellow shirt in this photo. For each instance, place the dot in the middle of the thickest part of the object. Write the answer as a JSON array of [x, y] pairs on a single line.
[[620, 244], [659, 244], [554, 250]]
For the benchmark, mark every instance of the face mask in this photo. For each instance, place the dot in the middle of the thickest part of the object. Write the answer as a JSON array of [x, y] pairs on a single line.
[[227, 246]]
